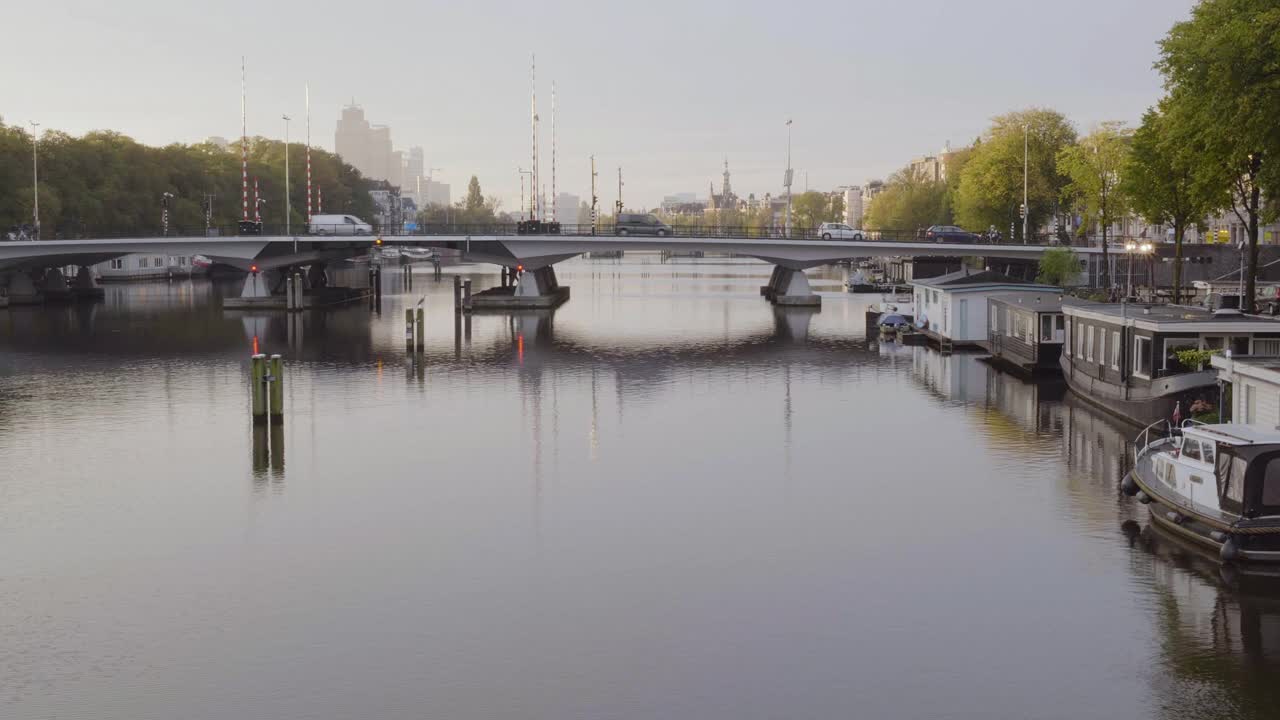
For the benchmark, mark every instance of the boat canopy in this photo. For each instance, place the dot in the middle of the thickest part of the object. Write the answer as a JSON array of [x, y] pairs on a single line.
[[1233, 434], [1247, 470]]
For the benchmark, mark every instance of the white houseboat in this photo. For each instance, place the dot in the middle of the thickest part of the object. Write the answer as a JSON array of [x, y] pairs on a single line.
[[1217, 485], [951, 309]]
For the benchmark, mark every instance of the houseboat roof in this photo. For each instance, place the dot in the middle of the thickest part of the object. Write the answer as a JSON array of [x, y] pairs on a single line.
[[1049, 302], [1234, 434], [971, 280], [1173, 318]]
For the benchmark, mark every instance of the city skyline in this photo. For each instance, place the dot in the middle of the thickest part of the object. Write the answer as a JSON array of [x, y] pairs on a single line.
[[862, 106]]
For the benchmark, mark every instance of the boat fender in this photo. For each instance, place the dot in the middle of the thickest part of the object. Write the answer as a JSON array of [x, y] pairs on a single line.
[[1128, 486], [1142, 497], [1230, 551], [1218, 536], [1174, 518]]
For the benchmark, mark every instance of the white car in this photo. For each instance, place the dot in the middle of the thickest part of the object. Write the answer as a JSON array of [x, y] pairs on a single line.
[[339, 225], [838, 231]]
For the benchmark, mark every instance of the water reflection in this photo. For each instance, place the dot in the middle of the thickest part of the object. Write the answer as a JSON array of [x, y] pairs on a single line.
[[665, 485]]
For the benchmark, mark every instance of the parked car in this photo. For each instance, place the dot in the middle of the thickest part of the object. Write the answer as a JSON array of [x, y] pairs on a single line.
[[950, 233], [838, 231], [338, 225], [640, 224]]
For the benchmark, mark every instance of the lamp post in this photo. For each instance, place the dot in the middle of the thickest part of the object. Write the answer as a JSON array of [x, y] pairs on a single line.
[[35, 173], [1129, 247], [1026, 211], [786, 181], [288, 207], [164, 211]]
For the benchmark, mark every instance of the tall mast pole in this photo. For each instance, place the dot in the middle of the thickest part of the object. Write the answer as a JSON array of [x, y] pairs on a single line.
[[533, 122], [553, 151], [308, 88], [244, 151], [619, 209], [594, 199]]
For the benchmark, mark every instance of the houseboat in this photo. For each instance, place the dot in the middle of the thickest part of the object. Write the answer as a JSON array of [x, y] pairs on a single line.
[[1026, 333], [1216, 485], [951, 309], [1124, 357]]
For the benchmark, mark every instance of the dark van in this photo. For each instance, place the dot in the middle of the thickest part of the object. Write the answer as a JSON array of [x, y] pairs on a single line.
[[640, 224]]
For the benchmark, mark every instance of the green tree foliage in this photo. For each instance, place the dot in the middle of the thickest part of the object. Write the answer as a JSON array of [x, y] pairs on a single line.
[[811, 209], [990, 185], [1094, 169], [1160, 182], [475, 199], [1059, 266], [1221, 68], [105, 183], [908, 201]]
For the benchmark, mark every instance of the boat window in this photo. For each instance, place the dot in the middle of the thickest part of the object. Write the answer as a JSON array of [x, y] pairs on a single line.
[[1271, 483], [1197, 479], [1233, 489], [1190, 449], [1207, 450]]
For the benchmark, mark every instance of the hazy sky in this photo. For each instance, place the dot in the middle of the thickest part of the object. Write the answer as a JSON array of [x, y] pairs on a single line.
[[665, 89]]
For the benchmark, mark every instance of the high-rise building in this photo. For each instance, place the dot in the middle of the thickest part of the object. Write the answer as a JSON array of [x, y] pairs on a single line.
[[437, 193], [567, 206], [351, 140], [853, 207]]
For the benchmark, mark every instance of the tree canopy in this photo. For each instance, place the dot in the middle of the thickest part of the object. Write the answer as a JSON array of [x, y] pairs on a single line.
[[908, 201], [1222, 71], [990, 184], [811, 209], [1093, 169], [1059, 266], [106, 183]]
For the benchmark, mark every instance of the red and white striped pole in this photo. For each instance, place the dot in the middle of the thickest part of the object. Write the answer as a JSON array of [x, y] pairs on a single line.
[[244, 152], [308, 155], [257, 203]]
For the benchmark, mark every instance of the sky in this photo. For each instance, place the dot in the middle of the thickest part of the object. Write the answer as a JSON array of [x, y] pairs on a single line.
[[666, 90]]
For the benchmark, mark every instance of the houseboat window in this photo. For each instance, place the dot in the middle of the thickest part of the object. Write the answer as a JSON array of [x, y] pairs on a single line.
[[1142, 356], [1102, 347], [1059, 321], [1266, 348], [1171, 347], [1088, 343], [1080, 340], [1046, 328], [1240, 346], [159, 262], [142, 262], [1250, 404], [995, 319], [1213, 342], [1190, 449], [1066, 347], [1115, 349], [117, 264]]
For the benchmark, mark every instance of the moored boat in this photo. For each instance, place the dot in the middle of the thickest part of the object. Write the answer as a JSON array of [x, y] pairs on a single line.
[[1217, 485]]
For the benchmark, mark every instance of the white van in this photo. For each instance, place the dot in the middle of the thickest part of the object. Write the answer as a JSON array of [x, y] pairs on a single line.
[[338, 225]]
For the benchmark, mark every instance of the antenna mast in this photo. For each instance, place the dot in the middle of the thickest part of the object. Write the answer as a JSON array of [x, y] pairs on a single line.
[[553, 151], [594, 199], [533, 120], [244, 151], [308, 86], [619, 209]]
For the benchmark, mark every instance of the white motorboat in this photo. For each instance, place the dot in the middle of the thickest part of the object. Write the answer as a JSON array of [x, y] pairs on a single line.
[[1217, 485]]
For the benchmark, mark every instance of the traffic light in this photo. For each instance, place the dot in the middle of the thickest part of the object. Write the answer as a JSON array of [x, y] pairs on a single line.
[[1022, 211]]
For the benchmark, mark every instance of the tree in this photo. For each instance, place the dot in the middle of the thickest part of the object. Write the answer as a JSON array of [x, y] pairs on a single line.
[[1221, 69], [1059, 266], [475, 199], [990, 188], [811, 209], [1094, 169], [908, 201], [1160, 183]]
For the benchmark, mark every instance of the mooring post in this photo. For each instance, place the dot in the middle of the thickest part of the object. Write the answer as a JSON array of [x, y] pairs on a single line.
[[288, 293], [466, 296], [457, 293], [377, 284], [422, 326], [277, 389], [435, 267], [299, 296], [258, 390], [409, 270], [408, 329]]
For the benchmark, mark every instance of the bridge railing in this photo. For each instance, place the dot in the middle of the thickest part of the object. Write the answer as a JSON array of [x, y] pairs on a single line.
[[511, 229]]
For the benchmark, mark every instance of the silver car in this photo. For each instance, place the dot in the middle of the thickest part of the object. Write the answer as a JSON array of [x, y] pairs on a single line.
[[838, 231]]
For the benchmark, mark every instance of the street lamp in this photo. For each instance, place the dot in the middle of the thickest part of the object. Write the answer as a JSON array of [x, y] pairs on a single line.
[[786, 180], [1129, 247], [165, 199], [288, 208], [35, 172]]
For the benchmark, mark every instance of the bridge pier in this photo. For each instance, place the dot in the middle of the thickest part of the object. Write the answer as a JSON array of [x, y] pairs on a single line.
[[789, 286], [86, 285], [22, 291], [535, 289], [55, 285]]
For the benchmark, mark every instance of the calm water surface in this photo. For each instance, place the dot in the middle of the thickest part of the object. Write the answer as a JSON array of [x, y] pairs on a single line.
[[663, 500]]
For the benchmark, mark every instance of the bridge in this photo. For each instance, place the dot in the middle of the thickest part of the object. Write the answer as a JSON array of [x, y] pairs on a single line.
[[25, 264]]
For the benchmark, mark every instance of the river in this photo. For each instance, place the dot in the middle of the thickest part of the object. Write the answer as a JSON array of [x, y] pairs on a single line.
[[664, 499]]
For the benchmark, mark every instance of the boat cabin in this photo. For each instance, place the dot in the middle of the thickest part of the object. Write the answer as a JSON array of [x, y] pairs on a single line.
[[1227, 468], [1026, 333]]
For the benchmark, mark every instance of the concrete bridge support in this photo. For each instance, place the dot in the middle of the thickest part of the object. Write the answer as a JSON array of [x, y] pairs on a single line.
[[55, 285], [22, 291], [535, 289], [85, 286], [788, 286]]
